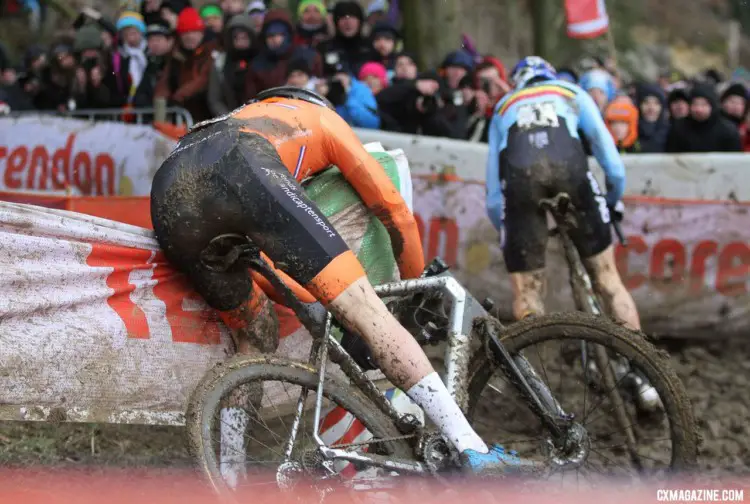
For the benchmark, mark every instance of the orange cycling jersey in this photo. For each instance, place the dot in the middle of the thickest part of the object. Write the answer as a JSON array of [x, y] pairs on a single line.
[[310, 138]]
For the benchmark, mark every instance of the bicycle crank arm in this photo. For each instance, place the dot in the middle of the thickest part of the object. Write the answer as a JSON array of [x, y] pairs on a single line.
[[374, 460]]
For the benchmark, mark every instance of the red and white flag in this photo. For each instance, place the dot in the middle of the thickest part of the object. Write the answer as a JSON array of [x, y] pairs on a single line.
[[586, 18]]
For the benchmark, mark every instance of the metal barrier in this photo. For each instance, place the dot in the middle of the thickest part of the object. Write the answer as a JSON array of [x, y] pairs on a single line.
[[176, 115], [181, 116]]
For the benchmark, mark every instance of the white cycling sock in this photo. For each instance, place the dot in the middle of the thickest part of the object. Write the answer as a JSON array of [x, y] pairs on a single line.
[[432, 396]]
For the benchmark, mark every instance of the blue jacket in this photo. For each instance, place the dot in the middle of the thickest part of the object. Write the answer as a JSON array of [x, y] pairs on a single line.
[[360, 109]]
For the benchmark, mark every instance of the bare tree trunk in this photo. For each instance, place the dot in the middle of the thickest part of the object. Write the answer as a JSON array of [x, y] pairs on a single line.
[[432, 28], [544, 28]]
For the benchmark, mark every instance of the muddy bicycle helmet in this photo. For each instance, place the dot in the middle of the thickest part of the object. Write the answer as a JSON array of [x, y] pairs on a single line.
[[294, 93]]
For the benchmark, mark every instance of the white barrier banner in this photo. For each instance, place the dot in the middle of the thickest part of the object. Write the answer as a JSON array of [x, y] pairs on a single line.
[[687, 263], [59, 155], [95, 326]]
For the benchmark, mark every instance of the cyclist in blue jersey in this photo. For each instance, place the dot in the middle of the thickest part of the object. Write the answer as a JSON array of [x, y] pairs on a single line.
[[535, 152]]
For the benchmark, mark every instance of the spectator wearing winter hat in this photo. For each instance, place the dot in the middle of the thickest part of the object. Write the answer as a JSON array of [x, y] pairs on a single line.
[[455, 67], [734, 106], [269, 67], [160, 43], [678, 103], [598, 83], [653, 121], [312, 26], [58, 77], [385, 41], [227, 85], [185, 78], [704, 130], [11, 87], [734, 103], [299, 75], [213, 18], [374, 75], [621, 117], [130, 62], [257, 12], [348, 46]]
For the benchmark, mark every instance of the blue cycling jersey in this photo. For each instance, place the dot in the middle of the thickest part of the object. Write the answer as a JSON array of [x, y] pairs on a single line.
[[543, 105]]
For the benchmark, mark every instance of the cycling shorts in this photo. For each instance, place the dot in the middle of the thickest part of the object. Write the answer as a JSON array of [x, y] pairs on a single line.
[[221, 180], [540, 163]]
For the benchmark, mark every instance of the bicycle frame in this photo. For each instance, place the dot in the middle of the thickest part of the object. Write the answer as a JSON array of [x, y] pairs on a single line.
[[464, 310]]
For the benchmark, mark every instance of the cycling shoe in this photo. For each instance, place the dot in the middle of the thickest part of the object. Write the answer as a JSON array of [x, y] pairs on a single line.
[[497, 461]]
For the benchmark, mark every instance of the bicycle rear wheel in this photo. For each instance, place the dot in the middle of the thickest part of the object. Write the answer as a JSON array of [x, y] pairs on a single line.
[[275, 385], [491, 396]]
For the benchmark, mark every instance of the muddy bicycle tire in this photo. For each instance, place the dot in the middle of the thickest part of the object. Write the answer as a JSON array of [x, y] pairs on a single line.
[[576, 326], [239, 370]]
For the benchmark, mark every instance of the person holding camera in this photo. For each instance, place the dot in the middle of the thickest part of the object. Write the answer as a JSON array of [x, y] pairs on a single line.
[[486, 88], [56, 80], [414, 103], [352, 98], [95, 84]]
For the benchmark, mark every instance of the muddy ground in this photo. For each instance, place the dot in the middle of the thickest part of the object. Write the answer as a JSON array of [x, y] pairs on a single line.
[[716, 375]]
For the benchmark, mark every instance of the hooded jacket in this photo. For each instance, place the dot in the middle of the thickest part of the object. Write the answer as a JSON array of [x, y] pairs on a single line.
[[227, 85], [622, 110], [715, 134], [652, 135], [269, 67]]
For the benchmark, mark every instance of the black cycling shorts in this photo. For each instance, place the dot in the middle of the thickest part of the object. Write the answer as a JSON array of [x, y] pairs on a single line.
[[221, 180], [540, 163]]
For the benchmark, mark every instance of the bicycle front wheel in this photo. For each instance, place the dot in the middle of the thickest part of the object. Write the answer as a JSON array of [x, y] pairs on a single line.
[[663, 445], [260, 418]]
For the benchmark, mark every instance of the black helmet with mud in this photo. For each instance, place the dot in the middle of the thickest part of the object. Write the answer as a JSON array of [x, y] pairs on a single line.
[[294, 93]]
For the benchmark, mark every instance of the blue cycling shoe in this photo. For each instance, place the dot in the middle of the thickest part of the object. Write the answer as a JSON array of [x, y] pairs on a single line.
[[496, 461]]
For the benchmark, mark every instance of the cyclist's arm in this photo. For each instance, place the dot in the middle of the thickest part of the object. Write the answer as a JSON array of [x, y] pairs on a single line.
[[377, 191], [603, 146], [494, 190]]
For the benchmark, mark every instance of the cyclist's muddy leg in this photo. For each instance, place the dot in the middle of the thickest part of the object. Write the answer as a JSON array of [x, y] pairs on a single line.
[[529, 289], [605, 278], [403, 361], [253, 324]]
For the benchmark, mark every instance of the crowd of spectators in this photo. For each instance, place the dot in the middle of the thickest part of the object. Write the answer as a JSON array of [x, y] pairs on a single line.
[[209, 59]]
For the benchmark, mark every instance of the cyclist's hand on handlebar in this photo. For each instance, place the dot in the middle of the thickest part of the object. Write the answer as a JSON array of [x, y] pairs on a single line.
[[617, 211]]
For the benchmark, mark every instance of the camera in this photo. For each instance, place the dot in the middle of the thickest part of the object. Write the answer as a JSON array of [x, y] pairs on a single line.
[[89, 63], [485, 85]]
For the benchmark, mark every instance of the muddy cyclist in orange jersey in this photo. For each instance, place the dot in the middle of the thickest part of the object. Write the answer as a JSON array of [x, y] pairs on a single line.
[[240, 174]]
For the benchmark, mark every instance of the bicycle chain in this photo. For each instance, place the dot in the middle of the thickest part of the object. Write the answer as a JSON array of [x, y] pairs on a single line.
[[374, 441]]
